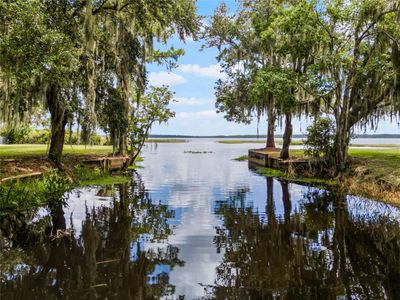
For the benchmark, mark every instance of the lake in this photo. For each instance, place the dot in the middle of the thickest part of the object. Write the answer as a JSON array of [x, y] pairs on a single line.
[[194, 224]]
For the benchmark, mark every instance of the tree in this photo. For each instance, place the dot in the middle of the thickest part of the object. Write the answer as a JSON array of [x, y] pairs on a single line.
[[153, 108], [287, 33], [241, 55], [356, 70], [136, 25], [38, 64], [76, 49], [265, 60]]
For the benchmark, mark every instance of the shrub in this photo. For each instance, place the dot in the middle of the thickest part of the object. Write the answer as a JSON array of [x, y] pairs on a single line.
[[55, 188], [95, 139], [51, 190], [39, 136], [16, 135], [320, 137]]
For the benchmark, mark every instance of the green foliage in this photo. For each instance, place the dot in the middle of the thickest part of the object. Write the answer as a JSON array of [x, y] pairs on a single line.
[[94, 177], [242, 158], [320, 138], [17, 135], [84, 60], [51, 191], [38, 136], [55, 188], [317, 182], [152, 108], [278, 82]]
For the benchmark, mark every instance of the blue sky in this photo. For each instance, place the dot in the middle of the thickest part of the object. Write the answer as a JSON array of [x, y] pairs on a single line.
[[193, 83]]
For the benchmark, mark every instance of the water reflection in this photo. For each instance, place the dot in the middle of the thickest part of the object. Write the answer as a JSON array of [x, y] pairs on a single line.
[[107, 259], [318, 252], [198, 226]]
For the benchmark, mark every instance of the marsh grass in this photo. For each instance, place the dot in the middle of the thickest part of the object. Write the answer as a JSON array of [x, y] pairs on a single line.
[[242, 158], [317, 182], [95, 177]]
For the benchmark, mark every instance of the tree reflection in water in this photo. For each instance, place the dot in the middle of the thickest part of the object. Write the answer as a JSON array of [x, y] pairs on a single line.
[[111, 258], [321, 251]]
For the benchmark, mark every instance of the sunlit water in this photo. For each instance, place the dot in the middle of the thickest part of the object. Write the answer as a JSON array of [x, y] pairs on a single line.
[[193, 223]]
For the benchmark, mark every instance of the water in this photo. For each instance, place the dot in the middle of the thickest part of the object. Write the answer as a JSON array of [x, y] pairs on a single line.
[[202, 226]]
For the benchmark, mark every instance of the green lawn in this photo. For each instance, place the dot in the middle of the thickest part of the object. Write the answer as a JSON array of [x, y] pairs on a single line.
[[41, 149], [383, 163], [29, 149]]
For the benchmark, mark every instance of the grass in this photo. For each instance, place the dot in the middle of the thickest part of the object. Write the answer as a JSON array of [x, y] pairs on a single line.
[[49, 190], [376, 145], [104, 179], [373, 173], [379, 165], [318, 182], [242, 158], [31, 150]]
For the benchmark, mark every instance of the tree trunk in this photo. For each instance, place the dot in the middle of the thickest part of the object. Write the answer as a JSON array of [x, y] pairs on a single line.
[[271, 128], [124, 83], [59, 119], [287, 136], [123, 149], [342, 141]]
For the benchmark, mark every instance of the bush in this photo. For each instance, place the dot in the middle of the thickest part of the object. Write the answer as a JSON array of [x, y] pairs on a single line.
[[95, 139], [16, 135], [51, 191], [320, 137], [39, 136]]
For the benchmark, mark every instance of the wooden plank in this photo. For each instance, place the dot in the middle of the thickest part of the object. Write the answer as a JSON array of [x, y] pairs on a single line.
[[23, 176]]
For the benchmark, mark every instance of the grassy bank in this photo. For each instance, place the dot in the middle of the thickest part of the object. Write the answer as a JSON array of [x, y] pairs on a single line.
[[41, 149], [51, 188], [317, 182], [373, 173]]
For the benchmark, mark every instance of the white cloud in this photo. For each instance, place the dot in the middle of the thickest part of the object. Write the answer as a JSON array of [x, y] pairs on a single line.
[[192, 101], [203, 114], [165, 78], [213, 71]]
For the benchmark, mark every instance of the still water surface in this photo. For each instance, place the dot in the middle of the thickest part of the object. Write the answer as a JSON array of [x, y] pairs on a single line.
[[203, 226]]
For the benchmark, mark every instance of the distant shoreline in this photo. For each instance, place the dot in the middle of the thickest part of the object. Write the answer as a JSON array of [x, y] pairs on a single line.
[[359, 136]]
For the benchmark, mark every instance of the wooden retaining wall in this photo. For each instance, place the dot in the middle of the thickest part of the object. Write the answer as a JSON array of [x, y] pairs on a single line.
[[104, 164], [262, 158], [108, 163]]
